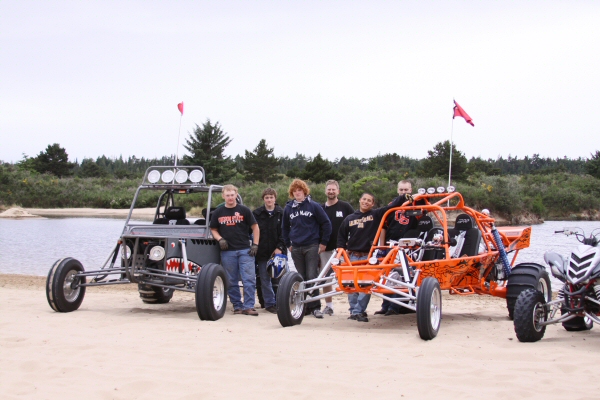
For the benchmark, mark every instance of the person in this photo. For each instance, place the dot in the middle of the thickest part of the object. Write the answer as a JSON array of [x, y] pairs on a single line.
[[396, 225], [336, 211], [306, 231], [356, 235], [231, 225], [271, 242]]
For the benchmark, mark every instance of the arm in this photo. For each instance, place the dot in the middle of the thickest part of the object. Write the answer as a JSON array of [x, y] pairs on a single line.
[[255, 233], [342, 235], [285, 228], [325, 226], [280, 242], [215, 234]]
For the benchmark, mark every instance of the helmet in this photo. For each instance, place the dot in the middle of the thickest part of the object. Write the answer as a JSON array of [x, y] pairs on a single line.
[[277, 266]]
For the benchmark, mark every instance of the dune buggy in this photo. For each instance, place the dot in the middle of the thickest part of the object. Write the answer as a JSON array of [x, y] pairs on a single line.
[[577, 305], [469, 258], [171, 253]]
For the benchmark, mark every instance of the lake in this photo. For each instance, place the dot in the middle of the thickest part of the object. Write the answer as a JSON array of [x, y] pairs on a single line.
[[30, 247]]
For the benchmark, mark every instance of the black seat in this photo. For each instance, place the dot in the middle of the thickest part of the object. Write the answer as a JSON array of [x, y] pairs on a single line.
[[467, 237], [176, 214], [423, 227], [437, 253]]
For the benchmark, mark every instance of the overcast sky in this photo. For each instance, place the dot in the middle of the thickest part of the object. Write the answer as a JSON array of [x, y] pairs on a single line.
[[343, 78]]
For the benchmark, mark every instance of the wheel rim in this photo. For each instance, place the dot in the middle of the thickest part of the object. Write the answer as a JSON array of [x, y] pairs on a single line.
[[70, 293], [218, 293], [588, 322], [538, 316], [543, 287], [296, 304], [435, 309]]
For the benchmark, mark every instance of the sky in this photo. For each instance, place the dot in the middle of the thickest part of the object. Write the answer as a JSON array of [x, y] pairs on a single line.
[[340, 78]]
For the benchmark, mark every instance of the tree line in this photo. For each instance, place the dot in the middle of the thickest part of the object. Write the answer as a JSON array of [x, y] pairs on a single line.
[[206, 146]]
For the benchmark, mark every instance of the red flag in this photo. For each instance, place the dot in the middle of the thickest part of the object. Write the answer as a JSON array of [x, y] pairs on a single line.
[[180, 107], [459, 112]]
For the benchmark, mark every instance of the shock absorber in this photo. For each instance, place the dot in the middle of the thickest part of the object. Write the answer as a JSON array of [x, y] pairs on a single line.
[[501, 250], [597, 289]]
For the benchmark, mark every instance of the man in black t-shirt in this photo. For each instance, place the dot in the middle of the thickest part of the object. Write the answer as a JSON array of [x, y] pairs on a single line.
[[230, 225], [337, 211]]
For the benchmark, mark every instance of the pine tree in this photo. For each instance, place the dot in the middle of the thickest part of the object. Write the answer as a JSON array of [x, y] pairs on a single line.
[[319, 170], [261, 165], [592, 166], [436, 163], [206, 146], [54, 160]]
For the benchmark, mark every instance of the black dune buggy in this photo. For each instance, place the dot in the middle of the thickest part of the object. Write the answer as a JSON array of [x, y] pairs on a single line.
[[171, 253]]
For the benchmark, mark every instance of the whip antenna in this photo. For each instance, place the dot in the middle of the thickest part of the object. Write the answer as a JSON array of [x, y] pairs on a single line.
[[180, 108]]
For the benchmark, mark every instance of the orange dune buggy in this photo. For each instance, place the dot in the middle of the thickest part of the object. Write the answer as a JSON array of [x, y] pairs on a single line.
[[468, 258]]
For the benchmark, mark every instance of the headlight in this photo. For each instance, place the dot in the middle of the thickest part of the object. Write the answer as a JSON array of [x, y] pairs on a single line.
[[441, 189], [431, 190], [156, 253], [422, 191], [153, 176], [181, 176], [127, 253], [167, 176], [451, 189], [196, 176]]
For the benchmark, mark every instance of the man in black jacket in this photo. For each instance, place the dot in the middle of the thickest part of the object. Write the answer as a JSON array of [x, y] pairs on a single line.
[[271, 242]]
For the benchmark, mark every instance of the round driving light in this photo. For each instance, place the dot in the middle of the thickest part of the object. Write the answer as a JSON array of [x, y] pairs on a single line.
[[451, 189], [421, 191], [181, 176], [430, 190], [167, 176], [156, 253], [373, 260], [196, 176], [335, 261], [153, 176], [441, 189], [485, 211], [127, 254]]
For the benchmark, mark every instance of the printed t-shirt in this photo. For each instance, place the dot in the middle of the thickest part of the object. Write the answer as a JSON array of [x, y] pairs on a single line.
[[336, 213], [234, 224]]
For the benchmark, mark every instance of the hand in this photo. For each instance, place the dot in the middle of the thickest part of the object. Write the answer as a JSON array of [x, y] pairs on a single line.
[[253, 250], [322, 248], [277, 251], [409, 197], [223, 244]]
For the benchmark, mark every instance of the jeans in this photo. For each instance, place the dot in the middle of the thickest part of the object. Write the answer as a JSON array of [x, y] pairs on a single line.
[[265, 284], [306, 260], [358, 301], [238, 263]]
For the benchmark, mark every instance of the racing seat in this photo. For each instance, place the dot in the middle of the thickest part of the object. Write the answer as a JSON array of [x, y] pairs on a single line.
[[420, 232], [173, 216], [467, 235], [434, 253]]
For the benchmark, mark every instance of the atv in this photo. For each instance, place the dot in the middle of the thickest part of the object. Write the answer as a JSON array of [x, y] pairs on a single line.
[[472, 257], [577, 306], [171, 253]]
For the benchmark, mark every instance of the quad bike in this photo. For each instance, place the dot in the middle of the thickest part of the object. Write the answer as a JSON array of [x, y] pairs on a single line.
[[578, 304], [169, 254], [469, 258]]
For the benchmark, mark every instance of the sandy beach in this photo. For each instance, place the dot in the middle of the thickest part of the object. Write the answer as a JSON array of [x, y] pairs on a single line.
[[116, 347]]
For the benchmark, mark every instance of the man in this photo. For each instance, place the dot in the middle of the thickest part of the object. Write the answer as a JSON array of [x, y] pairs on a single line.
[[356, 235], [230, 225], [271, 242], [396, 225], [336, 211], [306, 231]]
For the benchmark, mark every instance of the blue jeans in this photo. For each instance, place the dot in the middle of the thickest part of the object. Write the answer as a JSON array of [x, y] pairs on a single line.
[[306, 260], [238, 263], [265, 284], [358, 301]]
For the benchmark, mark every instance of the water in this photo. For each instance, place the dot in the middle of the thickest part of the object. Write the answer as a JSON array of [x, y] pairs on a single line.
[[30, 247]]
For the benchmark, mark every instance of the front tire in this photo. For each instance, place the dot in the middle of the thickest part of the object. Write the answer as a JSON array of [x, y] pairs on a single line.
[[154, 294], [526, 276], [530, 310], [429, 308], [62, 290], [290, 304], [211, 292]]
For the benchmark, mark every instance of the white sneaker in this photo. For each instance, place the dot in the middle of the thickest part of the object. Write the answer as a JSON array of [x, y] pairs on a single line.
[[328, 310], [317, 313]]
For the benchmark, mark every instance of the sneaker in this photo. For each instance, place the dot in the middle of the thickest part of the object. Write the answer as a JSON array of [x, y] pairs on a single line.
[[238, 311], [391, 311], [250, 311], [380, 312], [317, 313], [353, 316], [272, 309], [362, 318], [328, 310]]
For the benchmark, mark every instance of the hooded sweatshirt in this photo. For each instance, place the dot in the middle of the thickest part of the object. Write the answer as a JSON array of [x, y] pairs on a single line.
[[305, 223]]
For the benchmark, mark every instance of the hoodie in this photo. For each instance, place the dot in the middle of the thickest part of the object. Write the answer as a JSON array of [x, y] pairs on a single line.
[[305, 223]]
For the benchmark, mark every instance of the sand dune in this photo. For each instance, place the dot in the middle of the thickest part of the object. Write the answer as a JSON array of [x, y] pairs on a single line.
[[115, 346]]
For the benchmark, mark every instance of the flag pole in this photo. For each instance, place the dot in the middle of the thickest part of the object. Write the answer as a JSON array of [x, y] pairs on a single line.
[[178, 135], [450, 164]]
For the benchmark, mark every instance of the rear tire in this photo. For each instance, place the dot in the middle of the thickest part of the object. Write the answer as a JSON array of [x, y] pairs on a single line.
[[211, 292], [526, 276], [429, 308], [290, 305], [154, 294], [60, 293], [578, 324], [530, 310]]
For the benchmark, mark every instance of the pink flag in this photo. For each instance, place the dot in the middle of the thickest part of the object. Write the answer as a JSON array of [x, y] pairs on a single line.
[[180, 107], [459, 112]]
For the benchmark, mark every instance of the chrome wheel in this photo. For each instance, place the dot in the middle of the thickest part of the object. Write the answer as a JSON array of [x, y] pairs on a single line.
[[70, 293], [296, 301], [539, 315], [435, 309], [218, 293], [543, 287]]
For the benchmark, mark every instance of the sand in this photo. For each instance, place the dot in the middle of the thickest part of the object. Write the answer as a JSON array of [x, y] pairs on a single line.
[[138, 213], [18, 213], [117, 347]]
